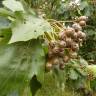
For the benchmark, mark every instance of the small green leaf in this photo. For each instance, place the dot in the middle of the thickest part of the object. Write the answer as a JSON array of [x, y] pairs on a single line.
[[83, 62], [73, 74], [13, 5]]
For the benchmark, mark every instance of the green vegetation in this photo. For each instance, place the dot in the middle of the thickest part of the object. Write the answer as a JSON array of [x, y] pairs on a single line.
[[47, 48]]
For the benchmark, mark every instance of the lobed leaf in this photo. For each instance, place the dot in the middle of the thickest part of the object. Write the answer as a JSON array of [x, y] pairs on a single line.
[[31, 28]]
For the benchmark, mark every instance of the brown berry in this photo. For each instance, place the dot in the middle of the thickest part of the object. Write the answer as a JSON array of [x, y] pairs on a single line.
[[52, 44], [68, 42], [55, 50], [66, 59], [73, 55], [69, 32], [61, 61], [74, 36], [61, 53], [77, 27], [81, 35], [50, 54], [55, 61], [62, 66], [62, 36], [62, 44], [80, 40], [82, 18], [48, 66], [82, 23], [75, 46]]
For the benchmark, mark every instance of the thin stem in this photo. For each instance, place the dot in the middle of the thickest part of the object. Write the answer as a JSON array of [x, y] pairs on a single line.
[[60, 21], [55, 25]]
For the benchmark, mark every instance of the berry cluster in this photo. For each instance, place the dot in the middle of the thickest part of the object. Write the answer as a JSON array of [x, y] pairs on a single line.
[[67, 45]]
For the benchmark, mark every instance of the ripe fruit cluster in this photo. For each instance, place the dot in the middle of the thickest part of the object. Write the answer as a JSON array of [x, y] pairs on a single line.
[[67, 45]]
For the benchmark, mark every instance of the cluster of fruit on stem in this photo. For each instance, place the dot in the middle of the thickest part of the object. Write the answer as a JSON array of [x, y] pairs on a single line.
[[67, 45]]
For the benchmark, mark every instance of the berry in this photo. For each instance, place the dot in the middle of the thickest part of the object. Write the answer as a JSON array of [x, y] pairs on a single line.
[[50, 54], [77, 27], [80, 40], [55, 61], [81, 35], [48, 66], [62, 36], [82, 23], [66, 59], [52, 44], [55, 50], [75, 46], [61, 53], [82, 18], [74, 36], [61, 61], [62, 66], [69, 32], [73, 55], [68, 42], [62, 44]]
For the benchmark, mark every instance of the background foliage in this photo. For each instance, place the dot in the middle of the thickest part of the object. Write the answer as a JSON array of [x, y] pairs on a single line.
[[51, 9]]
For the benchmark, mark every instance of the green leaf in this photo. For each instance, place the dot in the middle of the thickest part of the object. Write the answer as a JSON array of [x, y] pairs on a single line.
[[60, 76], [84, 4], [13, 5], [32, 28], [83, 62], [18, 64], [73, 74], [75, 64], [5, 12]]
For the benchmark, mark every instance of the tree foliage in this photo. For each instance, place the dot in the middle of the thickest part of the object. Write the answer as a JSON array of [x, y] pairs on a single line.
[[24, 25]]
